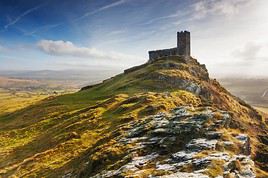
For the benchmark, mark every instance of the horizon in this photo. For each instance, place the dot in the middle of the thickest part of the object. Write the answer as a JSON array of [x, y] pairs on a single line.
[[134, 88], [117, 34]]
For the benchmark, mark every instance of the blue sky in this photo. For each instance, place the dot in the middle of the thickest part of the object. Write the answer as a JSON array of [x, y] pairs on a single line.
[[229, 36]]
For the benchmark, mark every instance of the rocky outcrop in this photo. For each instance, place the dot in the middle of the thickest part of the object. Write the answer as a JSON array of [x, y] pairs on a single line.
[[214, 137], [186, 142]]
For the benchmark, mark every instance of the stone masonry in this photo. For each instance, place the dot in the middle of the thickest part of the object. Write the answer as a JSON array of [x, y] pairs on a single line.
[[183, 47]]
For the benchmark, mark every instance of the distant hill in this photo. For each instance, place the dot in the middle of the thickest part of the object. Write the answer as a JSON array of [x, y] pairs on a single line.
[[16, 94], [6, 82], [161, 119], [252, 90], [75, 77]]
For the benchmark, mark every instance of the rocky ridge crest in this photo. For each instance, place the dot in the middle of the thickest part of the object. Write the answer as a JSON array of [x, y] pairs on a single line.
[[215, 137]]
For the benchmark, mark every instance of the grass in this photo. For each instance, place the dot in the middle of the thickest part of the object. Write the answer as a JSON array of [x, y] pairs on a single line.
[[262, 109], [48, 140], [54, 133], [11, 101], [57, 135], [215, 168]]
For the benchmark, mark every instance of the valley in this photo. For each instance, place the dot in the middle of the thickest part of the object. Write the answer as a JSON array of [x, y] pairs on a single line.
[[252, 90], [17, 93]]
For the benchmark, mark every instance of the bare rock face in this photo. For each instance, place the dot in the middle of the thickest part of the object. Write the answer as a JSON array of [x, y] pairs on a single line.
[[186, 142]]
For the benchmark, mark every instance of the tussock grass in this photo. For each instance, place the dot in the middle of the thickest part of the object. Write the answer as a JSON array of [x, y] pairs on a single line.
[[59, 135]]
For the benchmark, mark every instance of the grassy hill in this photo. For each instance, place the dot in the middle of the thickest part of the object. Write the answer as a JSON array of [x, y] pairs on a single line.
[[79, 134]]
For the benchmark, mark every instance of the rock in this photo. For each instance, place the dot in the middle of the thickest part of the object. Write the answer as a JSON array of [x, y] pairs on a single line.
[[172, 142], [181, 111], [219, 156], [161, 131], [138, 162], [184, 175], [193, 88], [201, 144], [165, 167], [159, 122], [241, 166], [182, 156], [136, 131], [213, 135], [228, 143], [201, 163], [69, 175], [244, 139]]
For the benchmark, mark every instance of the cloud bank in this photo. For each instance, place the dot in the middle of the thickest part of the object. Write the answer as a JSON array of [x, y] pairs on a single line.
[[67, 48]]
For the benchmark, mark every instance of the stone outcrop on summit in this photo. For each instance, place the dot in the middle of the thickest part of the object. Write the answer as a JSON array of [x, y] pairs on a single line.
[[184, 140], [214, 136]]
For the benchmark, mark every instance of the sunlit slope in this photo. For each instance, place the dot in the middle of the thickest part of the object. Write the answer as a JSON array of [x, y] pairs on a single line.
[[75, 134], [16, 94], [11, 101]]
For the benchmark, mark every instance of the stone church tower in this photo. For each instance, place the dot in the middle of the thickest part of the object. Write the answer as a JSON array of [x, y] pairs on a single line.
[[184, 43], [183, 48]]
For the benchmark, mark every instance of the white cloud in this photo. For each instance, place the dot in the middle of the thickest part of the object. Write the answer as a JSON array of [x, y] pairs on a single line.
[[106, 7], [67, 48], [162, 18], [18, 18], [117, 3], [249, 52], [205, 8], [42, 29], [117, 32], [202, 9]]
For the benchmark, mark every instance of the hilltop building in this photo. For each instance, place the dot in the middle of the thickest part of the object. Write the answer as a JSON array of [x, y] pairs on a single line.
[[183, 47]]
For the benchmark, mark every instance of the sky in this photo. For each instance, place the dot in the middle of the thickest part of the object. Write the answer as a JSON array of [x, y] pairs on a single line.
[[229, 36]]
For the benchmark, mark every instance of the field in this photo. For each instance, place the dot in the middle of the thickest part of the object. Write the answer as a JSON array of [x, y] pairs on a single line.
[[253, 91], [11, 101], [262, 109], [16, 94]]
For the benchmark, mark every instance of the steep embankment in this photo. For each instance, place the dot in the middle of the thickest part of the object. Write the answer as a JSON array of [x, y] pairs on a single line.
[[165, 118]]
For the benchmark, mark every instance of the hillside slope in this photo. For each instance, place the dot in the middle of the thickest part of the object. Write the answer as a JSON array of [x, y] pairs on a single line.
[[165, 118]]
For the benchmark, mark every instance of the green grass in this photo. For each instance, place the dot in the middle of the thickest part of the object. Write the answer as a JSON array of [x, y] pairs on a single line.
[[58, 135], [45, 139], [50, 136], [139, 81], [11, 101]]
